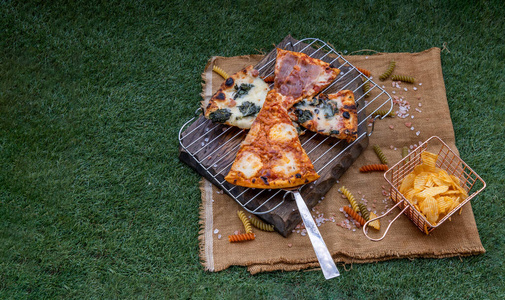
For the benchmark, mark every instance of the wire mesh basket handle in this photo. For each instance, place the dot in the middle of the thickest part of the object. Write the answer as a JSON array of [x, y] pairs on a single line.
[[365, 230]]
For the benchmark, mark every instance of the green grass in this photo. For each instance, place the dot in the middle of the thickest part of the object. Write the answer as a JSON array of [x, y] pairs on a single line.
[[94, 202]]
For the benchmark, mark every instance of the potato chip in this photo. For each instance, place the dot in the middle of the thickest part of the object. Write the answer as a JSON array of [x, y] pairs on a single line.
[[455, 179], [430, 182], [450, 193], [421, 179], [456, 202], [433, 191], [410, 195], [408, 181], [429, 159], [444, 204], [429, 208], [375, 224], [419, 169]]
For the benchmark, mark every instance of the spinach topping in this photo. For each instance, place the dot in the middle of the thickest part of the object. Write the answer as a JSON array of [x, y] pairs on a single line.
[[220, 115], [330, 109], [303, 115], [249, 109], [242, 90]]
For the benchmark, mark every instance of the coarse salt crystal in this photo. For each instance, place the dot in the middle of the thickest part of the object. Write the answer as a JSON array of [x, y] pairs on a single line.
[[420, 83], [216, 231], [412, 128], [393, 92], [419, 104], [219, 236], [405, 89], [418, 133], [415, 89]]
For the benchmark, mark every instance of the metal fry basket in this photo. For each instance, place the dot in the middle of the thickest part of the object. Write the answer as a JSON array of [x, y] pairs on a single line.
[[447, 160]]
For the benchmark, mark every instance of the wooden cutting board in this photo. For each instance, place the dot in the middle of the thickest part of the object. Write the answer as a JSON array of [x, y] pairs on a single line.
[[211, 148]]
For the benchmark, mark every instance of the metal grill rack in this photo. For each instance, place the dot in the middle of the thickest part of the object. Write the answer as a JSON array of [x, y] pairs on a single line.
[[213, 146]]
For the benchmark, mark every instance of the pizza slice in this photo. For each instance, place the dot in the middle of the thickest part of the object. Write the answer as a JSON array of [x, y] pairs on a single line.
[[271, 155], [238, 100], [334, 115], [301, 76]]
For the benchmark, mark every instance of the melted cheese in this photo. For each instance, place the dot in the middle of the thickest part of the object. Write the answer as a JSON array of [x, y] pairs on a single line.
[[249, 164], [287, 165], [282, 132], [256, 95]]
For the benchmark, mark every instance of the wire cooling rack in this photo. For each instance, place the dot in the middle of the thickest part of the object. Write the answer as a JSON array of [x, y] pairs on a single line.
[[210, 148]]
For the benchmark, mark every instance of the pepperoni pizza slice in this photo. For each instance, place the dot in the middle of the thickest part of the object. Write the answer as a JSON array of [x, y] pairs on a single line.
[[299, 76]]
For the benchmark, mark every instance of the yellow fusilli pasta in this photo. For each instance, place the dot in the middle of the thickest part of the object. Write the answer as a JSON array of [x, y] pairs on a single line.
[[350, 197], [260, 224], [382, 113], [245, 221], [220, 71]]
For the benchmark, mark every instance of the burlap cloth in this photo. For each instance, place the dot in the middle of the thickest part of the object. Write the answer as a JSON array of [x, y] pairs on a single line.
[[270, 251]]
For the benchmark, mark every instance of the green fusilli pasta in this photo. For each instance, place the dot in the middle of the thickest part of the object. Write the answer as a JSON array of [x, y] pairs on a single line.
[[389, 70], [403, 78], [380, 154], [364, 211]]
